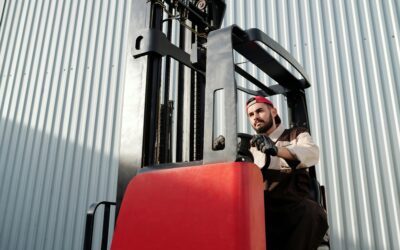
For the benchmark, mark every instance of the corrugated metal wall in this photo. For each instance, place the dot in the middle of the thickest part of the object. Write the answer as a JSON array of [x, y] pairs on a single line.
[[61, 63], [2, 5], [351, 51]]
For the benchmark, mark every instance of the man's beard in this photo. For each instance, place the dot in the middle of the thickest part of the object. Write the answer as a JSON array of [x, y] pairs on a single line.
[[265, 128]]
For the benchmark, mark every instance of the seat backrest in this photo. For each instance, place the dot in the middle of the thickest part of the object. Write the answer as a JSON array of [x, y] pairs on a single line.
[[316, 192]]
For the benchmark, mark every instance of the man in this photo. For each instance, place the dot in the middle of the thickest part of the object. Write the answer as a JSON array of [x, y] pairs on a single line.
[[293, 221]]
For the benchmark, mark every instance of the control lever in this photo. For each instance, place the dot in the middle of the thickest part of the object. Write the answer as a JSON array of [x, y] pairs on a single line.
[[244, 153], [243, 148]]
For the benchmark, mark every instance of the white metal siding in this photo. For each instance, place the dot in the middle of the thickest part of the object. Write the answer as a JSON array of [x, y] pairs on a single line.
[[351, 51], [61, 63], [2, 5]]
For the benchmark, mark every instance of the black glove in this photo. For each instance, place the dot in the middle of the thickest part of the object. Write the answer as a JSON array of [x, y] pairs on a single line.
[[264, 144]]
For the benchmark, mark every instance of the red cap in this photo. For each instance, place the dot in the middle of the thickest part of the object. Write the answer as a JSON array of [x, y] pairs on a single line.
[[258, 99]]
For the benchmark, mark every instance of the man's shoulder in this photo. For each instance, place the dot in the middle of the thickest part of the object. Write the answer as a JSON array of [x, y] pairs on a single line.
[[291, 133], [299, 130]]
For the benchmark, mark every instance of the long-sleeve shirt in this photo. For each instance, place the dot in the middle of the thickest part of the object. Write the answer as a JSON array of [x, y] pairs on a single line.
[[301, 147]]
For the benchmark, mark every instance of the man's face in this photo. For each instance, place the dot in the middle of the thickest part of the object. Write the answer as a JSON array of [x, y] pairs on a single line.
[[261, 117]]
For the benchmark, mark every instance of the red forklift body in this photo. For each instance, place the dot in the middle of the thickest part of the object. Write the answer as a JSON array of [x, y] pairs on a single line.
[[216, 206]]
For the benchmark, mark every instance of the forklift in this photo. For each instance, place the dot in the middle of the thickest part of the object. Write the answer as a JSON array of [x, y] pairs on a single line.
[[212, 199]]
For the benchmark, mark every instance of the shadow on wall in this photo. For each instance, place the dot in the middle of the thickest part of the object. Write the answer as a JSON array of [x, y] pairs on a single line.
[[47, 182]]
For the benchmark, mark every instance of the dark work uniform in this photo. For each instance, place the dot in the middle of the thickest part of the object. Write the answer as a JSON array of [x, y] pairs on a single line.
[[293, 221]]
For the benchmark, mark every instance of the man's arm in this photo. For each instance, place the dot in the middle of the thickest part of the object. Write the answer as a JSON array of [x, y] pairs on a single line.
[[284, 153], [302, 149]]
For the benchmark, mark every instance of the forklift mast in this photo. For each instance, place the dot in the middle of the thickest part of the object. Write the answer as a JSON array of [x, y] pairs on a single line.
[[146, 130]]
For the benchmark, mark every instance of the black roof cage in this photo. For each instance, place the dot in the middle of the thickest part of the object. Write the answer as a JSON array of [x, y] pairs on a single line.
[[220, 76]]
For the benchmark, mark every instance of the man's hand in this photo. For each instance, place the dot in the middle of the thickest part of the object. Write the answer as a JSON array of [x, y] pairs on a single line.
[[264, 144]]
